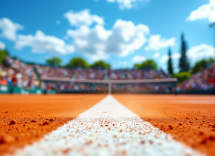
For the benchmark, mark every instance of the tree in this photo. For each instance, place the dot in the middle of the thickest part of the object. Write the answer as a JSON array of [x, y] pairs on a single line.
[[170, 69], [55, 61], [202, 64], [183, 62], [150, 64], [78, 62], [101, 64], [3, 54], [182, 76]]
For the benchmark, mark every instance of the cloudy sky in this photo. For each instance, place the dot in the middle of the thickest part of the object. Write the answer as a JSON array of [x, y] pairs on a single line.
[[121, 32]]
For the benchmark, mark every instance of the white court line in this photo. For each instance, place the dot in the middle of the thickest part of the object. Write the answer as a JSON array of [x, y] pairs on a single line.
[[107, 129]]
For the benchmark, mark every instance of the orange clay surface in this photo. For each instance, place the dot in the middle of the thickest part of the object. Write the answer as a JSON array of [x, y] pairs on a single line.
[[25, 119], [188, 118]]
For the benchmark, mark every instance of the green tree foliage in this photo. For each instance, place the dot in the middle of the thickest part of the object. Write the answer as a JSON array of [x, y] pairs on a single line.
[[101, 64], [55, 61], [183, 62], [78, 62], [202, 64], [182, 76], [170, 69], [149, 64], [3, 54]]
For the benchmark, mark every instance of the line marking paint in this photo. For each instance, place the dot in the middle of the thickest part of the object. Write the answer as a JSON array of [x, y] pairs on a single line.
[[107, 129]]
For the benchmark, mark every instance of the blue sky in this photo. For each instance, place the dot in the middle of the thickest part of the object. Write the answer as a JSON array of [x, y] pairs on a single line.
[[120, 32]]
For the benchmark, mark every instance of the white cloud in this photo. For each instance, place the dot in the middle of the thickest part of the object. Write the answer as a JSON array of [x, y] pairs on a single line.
[[200, 52], [43, 43], [138, 59], [123, 39], [206, 11], [156, 42], [157, 54], [99, 56], [194, 54], [164, 58], [83, 18], [9, 28], [174, 57], [58, 22], [2, 45], [124, 4]]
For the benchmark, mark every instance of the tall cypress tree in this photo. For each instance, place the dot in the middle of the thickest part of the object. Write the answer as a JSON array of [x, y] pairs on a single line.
[[183, 62], [170, 69]]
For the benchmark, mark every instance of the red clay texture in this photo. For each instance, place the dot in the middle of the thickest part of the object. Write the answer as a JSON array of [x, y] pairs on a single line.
[[189, 119], [26, 119]]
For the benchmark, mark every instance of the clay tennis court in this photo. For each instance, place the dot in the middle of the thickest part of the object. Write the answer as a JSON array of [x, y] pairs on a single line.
[[25, 119]]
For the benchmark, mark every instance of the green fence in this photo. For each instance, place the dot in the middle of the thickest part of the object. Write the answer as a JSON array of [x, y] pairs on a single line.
[[51, 91], [199, 91], [5, 89], [16, 90]]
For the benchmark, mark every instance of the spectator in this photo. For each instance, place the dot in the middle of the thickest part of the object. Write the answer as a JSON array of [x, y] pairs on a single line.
[[201, 80], [19, 74]]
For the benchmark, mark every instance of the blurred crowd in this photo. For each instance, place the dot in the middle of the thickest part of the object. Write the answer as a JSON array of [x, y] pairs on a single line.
[[63, 86], [101, 74], [77, 73], [143, 88], [48, 71], [201, 80], [98, 74], [126, 88], [18, 74], [134, 74]]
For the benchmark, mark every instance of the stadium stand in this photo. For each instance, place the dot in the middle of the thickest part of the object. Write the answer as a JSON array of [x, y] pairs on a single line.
[[202, 80], [22, 75], [48, 71], [99, 74], [135, 74], [76, 73], [18, 77]]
